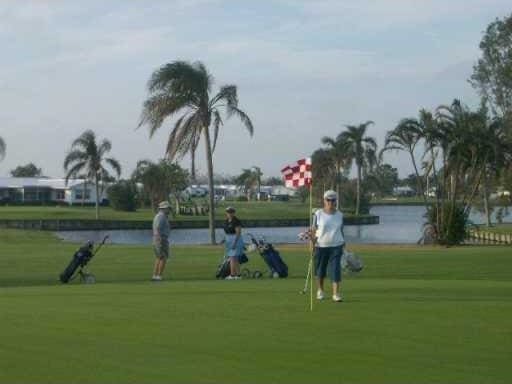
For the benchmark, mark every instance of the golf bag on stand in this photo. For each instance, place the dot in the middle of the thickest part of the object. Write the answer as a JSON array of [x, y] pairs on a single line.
[[271, 256], [79, 261]]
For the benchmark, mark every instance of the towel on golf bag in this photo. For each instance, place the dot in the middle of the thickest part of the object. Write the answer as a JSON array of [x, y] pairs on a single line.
[[224, 268], [351, 262], [274, 261]]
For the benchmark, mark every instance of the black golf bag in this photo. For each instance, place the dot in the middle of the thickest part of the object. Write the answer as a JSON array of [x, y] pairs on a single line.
[[271, 256], [80, 259], [224, 268]]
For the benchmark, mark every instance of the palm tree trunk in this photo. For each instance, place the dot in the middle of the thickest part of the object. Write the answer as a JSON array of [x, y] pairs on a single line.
[[83, 192], [97, 196], [338, 167], [193, 164], [418, 179], [486, 200], [209, 163], [358, 189]]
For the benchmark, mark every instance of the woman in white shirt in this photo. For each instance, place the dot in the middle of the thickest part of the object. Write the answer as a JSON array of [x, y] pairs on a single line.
[[329, 242]]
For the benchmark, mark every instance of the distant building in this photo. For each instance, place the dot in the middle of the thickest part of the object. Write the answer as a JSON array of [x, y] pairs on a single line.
[[403, 191], [47, 190]]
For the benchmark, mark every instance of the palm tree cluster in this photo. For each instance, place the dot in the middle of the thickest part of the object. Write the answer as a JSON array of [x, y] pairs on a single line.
[[462, 150], [334, 161]]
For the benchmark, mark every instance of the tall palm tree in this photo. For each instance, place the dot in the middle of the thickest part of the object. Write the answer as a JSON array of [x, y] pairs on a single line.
[[405, 137], [337, 151], [87, 156], [2, 148], [184, 88], [358, 148]]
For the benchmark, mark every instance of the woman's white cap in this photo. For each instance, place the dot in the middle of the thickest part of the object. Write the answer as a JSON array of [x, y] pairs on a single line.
[[330, 194]]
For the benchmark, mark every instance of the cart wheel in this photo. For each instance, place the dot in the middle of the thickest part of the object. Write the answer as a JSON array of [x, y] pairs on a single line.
[[257, 275], [246, 273], [88, 278]]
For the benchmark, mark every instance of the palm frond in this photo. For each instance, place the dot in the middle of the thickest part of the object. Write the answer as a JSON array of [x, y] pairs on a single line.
[[217, 123], [227, 93], [74, 156], [104, 148], [114, 164], [2, 148], [231, 110], [75, 170], [160, 106]]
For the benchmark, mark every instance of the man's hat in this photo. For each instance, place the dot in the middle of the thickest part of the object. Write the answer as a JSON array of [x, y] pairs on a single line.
[[164, 205]]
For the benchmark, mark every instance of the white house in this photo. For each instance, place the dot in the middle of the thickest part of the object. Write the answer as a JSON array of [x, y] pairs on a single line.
[[36, 189]]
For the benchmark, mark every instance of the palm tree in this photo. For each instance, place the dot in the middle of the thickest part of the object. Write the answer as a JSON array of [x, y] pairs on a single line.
[[161, 179], [2, 148], [361, 149], [337, 151], [257, 175], [184, 88], [247, 180], [405, 136], [88, 157], [324, 171]]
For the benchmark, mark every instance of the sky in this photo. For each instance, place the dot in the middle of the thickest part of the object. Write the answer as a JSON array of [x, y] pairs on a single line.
[[304, 69]]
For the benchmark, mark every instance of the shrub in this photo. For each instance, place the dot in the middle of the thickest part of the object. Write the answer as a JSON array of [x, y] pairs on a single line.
[[453, 230], [123, 196]]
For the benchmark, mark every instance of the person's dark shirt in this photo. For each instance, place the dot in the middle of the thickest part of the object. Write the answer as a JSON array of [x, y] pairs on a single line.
[[229, 226]]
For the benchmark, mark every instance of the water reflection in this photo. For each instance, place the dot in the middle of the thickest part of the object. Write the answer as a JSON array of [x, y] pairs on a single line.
[[398, 224]]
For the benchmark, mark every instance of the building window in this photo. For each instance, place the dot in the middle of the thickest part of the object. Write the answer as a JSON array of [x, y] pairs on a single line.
[[79, 194], [60, 195]]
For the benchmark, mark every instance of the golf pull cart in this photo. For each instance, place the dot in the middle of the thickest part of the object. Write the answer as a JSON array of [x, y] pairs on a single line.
[[79, 262]]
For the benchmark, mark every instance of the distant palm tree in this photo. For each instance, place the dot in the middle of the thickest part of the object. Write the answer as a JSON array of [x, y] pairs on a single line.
[[405, 137], [247, 180], [337, 151], [361, 149], [2, 148], [324, 171], [183, 87], [257, 175], [88, 157]]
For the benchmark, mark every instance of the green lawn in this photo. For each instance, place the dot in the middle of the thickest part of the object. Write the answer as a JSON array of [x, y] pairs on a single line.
[[423, 315], [245, 210]]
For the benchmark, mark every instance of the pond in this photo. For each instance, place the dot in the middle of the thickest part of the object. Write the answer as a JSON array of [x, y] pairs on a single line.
[[398, 225]]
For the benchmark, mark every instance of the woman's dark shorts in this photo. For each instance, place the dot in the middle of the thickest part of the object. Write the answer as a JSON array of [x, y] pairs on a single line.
[[328, 259]]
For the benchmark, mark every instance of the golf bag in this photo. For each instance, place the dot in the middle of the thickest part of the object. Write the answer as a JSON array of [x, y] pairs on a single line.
[[351, 262], [78, 262], [271, 256], [224, 268]]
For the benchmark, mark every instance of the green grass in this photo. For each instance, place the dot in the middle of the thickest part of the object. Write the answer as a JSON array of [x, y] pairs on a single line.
[[423, 315], [245, 210]]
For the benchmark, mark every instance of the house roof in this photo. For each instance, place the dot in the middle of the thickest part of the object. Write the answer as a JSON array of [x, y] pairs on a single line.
[[38, 182]]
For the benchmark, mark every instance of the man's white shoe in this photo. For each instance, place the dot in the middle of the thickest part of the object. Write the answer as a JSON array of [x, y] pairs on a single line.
[[156, 278], [320, 294], [337, 298], [229, 277]]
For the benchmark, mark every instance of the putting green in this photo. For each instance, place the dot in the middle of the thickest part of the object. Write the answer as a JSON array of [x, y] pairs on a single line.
[[414, 315]]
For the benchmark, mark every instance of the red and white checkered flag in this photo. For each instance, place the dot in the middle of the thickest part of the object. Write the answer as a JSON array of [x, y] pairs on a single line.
[[298, 174]]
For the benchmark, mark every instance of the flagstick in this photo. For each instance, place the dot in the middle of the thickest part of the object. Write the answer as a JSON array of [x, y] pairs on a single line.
[[311, 244]]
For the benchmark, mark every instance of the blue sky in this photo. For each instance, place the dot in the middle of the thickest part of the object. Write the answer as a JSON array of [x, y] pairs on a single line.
[[303, 68]]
